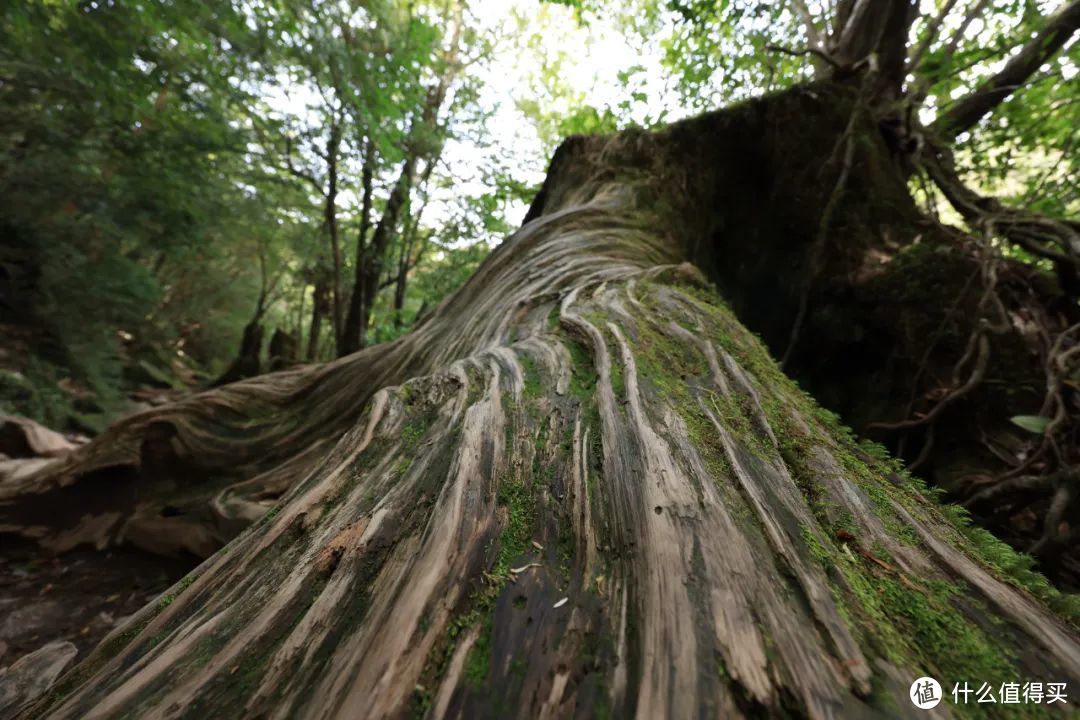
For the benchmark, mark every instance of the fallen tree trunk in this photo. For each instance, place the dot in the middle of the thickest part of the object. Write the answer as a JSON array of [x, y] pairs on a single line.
[[581, 487]]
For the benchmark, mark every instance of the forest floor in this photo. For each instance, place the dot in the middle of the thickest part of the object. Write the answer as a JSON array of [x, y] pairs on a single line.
[[38, 382], [79, 596]]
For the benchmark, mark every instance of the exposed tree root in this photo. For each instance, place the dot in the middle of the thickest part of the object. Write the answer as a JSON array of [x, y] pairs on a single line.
[[581, 488], [673, 520]]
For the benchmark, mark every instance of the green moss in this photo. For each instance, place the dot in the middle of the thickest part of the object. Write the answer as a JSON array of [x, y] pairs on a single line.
[[679, 371], [165, 600], [618, 380], [933, 625], [97, 659], [681, 376], [412, 433], [583, 378], [421, 413], [515, 539], [533, 386], [478, 662], [553, 320], [823, 555], [517, 495], [420, 702], [869, 464], [924, 627], [616, 371], [479, 609]]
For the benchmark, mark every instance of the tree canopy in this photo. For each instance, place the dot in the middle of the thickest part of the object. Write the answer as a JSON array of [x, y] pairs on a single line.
[[179, 171], [176, 171]]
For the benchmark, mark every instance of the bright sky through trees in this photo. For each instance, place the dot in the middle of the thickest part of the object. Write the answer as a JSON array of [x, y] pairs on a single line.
[[543, 52], [542, 46]]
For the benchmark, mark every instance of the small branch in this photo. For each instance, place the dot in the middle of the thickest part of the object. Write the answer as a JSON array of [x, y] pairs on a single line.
[[1056, 368], [298, 173], [991, 93], [1052, 538], [1040, 235], [1039, 484], [807, 18], [977, 374], [931, 35], [805, 51], [916, 96], [954, 41]]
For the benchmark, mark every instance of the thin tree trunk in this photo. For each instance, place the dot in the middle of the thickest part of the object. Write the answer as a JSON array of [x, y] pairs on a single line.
[[330, 212], [401, 285], [875, 29], [375, 254], [351, 339], [369, 272], [406, 260], [580, 488], [298, 328], [402, 276], [319, 305], [248, 362], [281, 352], [420, 312]]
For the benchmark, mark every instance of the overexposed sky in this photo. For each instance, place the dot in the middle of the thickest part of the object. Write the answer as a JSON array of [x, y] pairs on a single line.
[[591, 59]]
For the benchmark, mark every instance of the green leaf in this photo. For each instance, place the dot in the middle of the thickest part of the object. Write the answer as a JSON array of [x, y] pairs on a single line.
[[1032, 423]]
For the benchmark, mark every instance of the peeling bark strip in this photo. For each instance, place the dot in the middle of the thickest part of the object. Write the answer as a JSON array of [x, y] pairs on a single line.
[[581, 489]]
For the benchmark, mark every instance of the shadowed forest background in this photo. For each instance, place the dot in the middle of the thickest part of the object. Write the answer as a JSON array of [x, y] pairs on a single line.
[[243, 241]]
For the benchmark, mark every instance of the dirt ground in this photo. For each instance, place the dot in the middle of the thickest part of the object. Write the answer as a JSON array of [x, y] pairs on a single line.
[[79, 596]]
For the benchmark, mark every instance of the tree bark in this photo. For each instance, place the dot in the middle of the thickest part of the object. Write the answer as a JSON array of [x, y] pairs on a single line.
[[579, 488], [874, 31]]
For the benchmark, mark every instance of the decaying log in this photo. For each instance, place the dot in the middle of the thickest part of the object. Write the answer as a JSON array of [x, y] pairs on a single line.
[[580, 488], [27, 679]]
